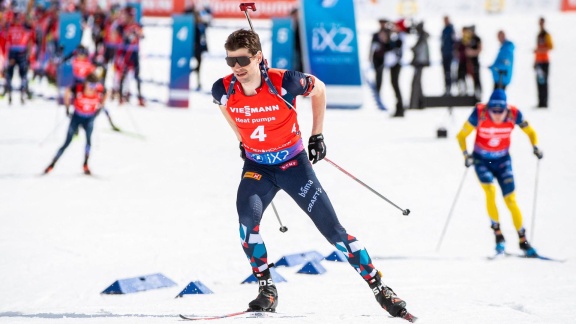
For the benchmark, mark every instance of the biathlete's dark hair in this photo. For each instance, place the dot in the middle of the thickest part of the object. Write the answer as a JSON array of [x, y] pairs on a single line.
[[92, 78], [243, 38]]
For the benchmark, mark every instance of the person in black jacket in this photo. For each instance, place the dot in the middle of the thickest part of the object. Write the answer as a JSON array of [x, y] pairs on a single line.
[[378, 47], [420, 60], [200, 42], [473, 48], [447, 47]]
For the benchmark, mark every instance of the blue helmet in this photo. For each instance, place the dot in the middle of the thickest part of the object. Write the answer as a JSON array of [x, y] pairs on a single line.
[[497, 100]]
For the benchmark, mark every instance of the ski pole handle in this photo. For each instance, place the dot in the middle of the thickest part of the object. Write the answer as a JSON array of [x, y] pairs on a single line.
[[244, 6]]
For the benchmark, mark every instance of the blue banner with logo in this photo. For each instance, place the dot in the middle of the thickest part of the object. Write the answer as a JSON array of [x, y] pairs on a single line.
[[182, 49], [70, 37], [330, 49], [70, 31], [282, 43]]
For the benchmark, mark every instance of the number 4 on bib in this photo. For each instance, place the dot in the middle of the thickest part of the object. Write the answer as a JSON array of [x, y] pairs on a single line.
[[259, 133]]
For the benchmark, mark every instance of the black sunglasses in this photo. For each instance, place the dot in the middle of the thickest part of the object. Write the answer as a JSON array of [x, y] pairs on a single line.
[[241, 60], [497, 111]]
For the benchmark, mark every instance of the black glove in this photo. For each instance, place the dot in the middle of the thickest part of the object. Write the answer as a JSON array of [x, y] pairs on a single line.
[[316, 148], [468, 160], [242, 152], [539, 154], [67, 109]]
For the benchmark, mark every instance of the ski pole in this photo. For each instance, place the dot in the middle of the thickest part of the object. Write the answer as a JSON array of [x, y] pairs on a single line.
[[405, 212], [134, 123], [283, 228], [451, 210], [244, 6], [534, 201]]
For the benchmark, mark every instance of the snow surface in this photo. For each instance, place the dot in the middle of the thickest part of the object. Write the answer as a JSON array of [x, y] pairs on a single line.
[[163, 201]]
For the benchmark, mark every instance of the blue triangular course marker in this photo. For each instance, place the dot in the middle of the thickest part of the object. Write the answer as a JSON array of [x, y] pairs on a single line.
[[136, 284], [336, 256], [312, 267], [195, 288], [275, 276], [291, 260]]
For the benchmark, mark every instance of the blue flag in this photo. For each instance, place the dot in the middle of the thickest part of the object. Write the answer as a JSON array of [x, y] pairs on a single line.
[[70, 37], [182, 49], [282, 43]]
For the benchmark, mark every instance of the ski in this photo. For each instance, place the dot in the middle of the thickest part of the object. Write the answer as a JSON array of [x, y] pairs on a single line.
[[207, 318], [498, 255], [128, 133], [252, 314], [522, 256]]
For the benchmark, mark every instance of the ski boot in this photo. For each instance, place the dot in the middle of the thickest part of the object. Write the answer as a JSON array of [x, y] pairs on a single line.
[[267, 298], [500, 241], [86, 168], [529, 251], [49, 168], [141, 102], [386, 297]]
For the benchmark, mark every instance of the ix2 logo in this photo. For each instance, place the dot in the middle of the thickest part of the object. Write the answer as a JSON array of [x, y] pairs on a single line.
[[336, 39]]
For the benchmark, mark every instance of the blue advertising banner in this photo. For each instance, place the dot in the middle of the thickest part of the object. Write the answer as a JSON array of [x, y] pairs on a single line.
[[330, 49], [182, 49], [70, 37], [282, 43]]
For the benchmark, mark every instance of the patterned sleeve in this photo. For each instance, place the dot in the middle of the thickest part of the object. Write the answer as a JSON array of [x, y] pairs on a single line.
[[219, 93], [297, 83]]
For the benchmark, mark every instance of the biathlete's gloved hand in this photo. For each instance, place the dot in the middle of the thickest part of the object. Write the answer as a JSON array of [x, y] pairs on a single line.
[[242, 152], [67, 111], [468, 160], [316, 148], [539, 154]]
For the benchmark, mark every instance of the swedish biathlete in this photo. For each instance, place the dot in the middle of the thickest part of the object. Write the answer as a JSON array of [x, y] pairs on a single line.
[[494, 123]]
